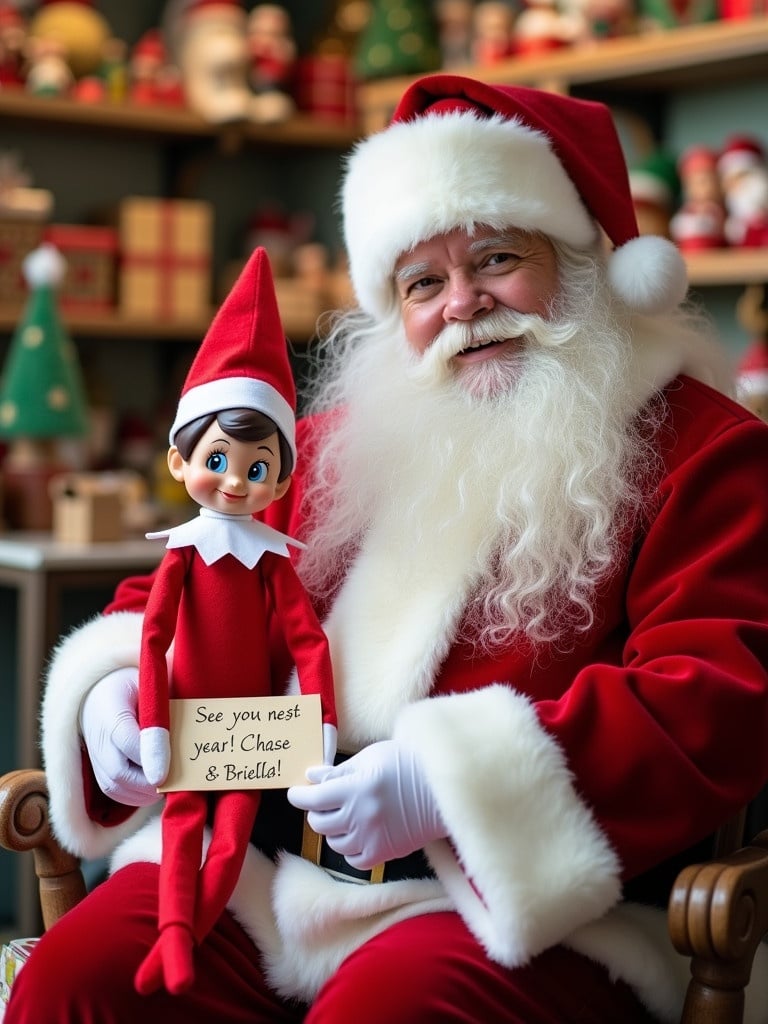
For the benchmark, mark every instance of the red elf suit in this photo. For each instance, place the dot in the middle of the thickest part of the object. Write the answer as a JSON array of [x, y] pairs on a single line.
[[212, 596]]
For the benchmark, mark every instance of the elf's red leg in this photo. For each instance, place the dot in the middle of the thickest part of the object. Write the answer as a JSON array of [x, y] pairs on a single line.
[[232, 826], [170, 961]]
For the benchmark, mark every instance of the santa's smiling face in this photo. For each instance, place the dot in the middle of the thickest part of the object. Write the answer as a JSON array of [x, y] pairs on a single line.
[[458, 278]]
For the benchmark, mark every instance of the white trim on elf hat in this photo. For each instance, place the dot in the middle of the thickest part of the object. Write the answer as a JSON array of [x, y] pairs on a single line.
[[459, 153], [243, 361]]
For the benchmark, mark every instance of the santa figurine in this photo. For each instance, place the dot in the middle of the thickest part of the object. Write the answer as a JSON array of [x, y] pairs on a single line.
[[743, 172], [700, 221], [206, 40], [542, 26], [492, 25], [271, 62], [223, 577]]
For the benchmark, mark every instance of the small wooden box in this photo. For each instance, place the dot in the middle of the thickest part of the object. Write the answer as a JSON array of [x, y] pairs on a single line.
[[18, 237], [165, 258], [87, 508]]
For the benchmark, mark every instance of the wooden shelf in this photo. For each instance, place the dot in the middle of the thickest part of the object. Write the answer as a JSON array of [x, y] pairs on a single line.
[[114, 325], [63, 113], [698, 55], [728, 267]]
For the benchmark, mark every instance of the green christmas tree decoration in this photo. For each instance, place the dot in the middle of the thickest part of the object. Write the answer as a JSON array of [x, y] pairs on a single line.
[[41, 393], [400, 38]]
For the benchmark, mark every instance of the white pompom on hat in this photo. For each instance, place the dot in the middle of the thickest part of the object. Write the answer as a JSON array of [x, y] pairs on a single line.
[[459, 153]]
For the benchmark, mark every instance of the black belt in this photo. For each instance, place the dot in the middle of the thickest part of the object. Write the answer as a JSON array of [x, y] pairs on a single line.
[[279, 826], [315, 848]]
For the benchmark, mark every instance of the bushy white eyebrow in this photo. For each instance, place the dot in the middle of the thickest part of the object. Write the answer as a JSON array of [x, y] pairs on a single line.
[[507, 240], [422, 269], [412, 270]]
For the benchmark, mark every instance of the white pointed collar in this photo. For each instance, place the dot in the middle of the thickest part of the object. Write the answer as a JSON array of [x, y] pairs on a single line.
[[216, 534]]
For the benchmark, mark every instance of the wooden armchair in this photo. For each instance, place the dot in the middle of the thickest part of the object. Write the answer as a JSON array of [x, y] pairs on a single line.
[[718, 912]]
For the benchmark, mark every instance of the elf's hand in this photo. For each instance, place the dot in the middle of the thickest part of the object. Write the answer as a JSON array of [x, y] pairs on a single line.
[[110, 731], [155, 747], [374, 807]]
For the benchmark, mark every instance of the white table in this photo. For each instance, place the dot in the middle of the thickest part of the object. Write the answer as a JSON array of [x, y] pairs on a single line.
[[45, 573]]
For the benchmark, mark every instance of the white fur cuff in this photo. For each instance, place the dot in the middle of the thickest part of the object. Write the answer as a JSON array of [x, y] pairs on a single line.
[[81, 659], [527, 862]]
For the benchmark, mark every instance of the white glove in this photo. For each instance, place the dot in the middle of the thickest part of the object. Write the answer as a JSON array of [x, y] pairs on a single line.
[[155, 748], [374, 807], [110, 730]]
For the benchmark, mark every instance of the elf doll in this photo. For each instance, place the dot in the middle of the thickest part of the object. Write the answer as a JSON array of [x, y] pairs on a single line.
[[233, 447]]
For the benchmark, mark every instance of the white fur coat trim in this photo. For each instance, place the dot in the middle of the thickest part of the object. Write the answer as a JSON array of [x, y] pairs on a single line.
[[633, 942], [80, 660], [527, 862], [304, 923]]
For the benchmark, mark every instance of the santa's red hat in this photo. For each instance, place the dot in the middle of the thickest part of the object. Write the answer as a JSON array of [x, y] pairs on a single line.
[[460, 153], [243, 362], [740, 153]]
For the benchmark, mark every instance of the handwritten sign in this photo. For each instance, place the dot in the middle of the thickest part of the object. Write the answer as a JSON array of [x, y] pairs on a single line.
[[244, 742]]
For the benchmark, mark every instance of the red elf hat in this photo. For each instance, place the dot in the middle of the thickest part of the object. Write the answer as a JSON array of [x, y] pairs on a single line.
[[243, 362]]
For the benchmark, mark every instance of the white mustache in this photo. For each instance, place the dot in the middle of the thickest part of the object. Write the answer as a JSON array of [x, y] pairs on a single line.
[[498, 325]]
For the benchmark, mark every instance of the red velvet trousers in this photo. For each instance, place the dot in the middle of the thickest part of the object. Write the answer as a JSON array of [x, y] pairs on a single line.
[[422, 971]]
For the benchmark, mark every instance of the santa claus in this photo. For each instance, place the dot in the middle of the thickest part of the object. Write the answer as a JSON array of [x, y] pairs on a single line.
[[536, 530]]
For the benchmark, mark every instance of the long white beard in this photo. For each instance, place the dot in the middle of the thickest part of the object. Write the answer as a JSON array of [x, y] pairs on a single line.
[[508, 482]]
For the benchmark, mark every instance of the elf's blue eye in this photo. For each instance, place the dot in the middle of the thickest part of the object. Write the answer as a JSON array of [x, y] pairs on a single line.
[[217, 462], [257, 474]]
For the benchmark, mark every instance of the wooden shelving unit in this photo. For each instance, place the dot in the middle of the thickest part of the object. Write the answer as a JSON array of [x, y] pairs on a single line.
[[692, 57], [65, 114], [116, 326], [699, 55], [687, 57], [167, 125], [728, 267]]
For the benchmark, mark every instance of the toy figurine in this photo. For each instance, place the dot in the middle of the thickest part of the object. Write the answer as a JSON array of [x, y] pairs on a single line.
[[13, 32], [654, 186], [700, 221], [222, 578], [207, 43], [542, 26], [743, 171], [454, 28], [601, 19], [752, 370], [48, 73], [272, 62], [492, 23]]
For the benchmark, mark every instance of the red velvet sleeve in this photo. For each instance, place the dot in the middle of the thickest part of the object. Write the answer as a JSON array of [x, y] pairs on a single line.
[[131, 595], [304, 636]]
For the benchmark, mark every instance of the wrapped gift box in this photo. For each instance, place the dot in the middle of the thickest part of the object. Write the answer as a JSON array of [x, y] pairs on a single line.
[[165, 258], [87, 508], [13, 956], [91, 255]]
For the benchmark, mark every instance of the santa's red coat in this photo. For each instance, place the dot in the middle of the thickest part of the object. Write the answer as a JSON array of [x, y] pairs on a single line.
[[561, 777]]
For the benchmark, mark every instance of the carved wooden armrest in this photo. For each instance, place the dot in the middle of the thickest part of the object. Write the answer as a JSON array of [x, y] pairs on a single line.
[[24, 826], [718, 914]]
